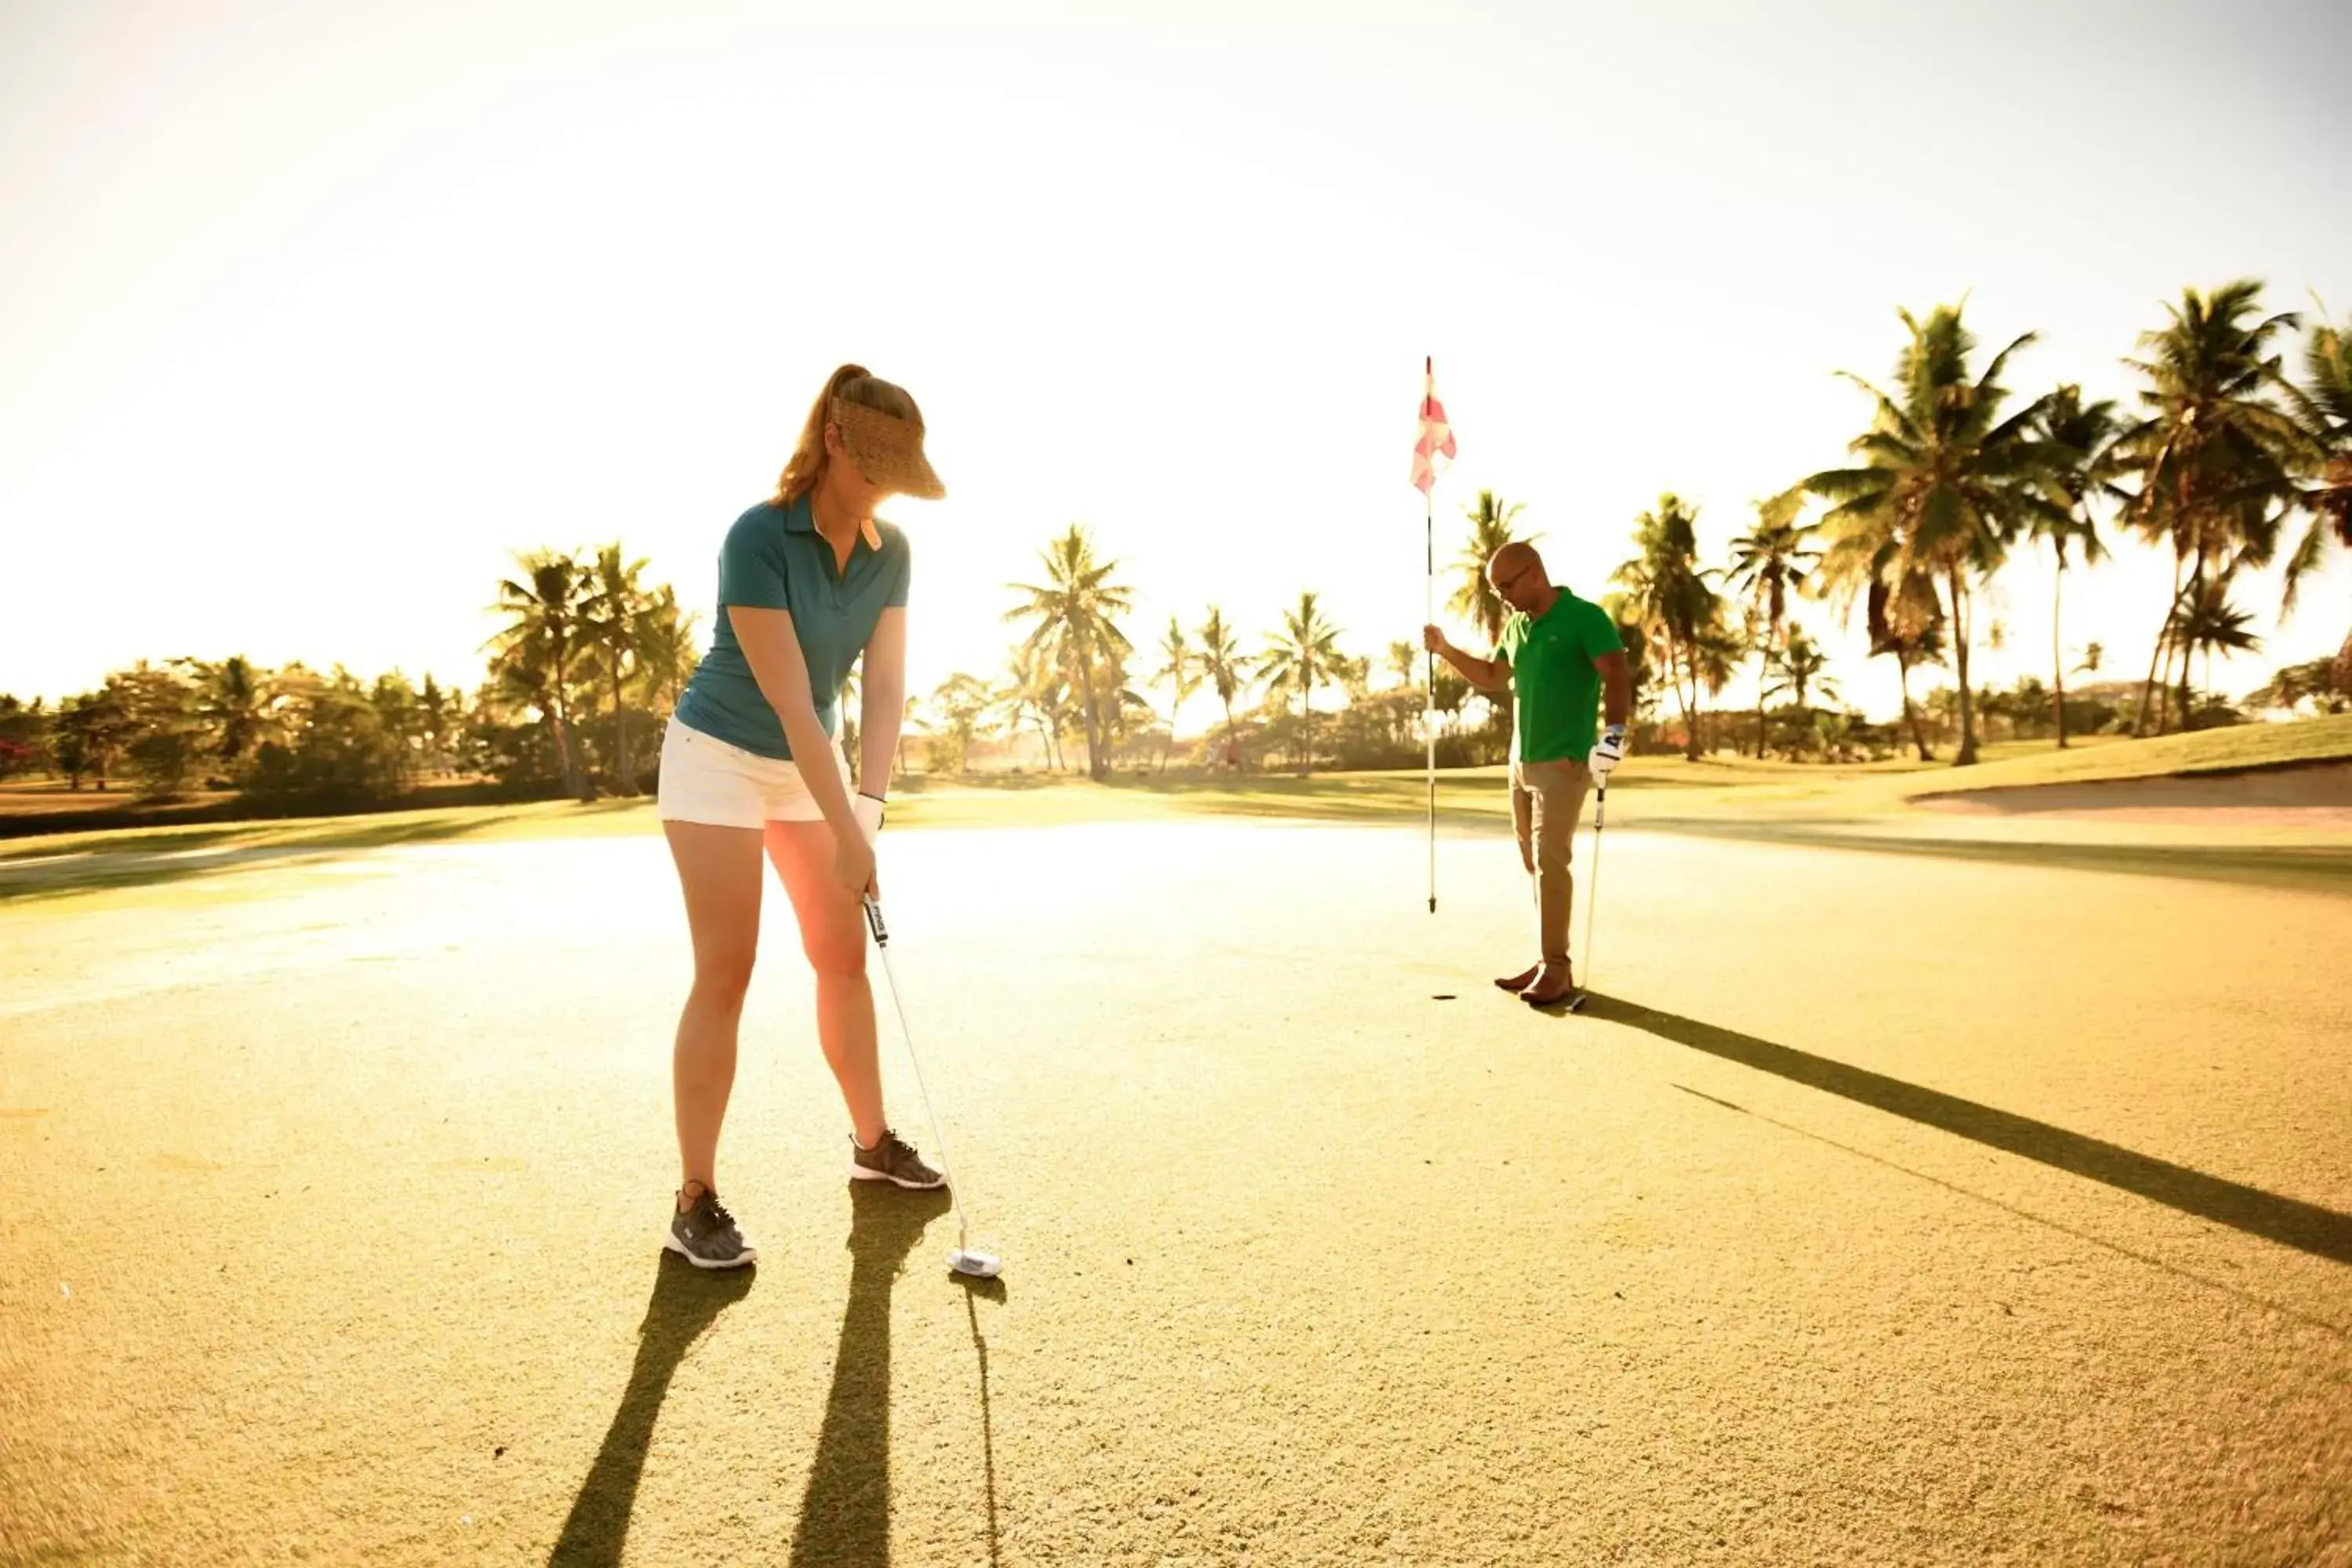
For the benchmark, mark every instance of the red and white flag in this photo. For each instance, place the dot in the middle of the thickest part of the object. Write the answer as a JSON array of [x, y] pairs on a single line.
[[1435, 445]]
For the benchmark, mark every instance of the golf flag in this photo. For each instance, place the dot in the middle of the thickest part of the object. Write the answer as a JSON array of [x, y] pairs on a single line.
[[1432, 446], [1436, 440]]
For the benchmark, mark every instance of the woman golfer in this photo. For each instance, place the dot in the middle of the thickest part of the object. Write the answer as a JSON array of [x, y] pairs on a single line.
[[807, 582]]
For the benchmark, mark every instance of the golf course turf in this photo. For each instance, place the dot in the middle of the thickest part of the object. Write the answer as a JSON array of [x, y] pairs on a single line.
[[1921, 1186]]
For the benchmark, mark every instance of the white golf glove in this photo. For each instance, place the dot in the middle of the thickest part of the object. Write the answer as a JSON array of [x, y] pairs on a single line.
[[868, 812], [1608, 754]]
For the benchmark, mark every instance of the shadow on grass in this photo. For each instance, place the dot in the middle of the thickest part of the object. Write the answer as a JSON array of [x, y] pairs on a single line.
[[2314, 868], [921, 783], [2290, 1222], [2224, 1286], [994, 1290], [208, 853], [845, 1513], [686, 1301]]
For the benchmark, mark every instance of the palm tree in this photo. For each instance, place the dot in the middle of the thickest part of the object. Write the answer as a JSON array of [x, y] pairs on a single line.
[[961, 702], [1072, 612], [2093, 654], [437, 713], [1302, 656], [1768, 561], [1904, 616], [1404, 662], [2324, 404], [1803, 667], [1221, 661], [1676, 604], [1123, 708], [1490, 529], [2079, 441], [1944, 478], [232, 700], [1715, 657], [665, 644], [611, 614], [1034, 694], [1180, 674], [540, 643], [2215, 457], [851, 711], [2209, 622]]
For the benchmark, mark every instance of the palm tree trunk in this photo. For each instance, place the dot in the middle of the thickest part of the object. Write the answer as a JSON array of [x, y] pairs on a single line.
[[1682, 700], [625, 767], [1958, 591], [2148, 689], [2058, 649], [2189, 650], [1091, 716], [1911, 714], [1306, 727]]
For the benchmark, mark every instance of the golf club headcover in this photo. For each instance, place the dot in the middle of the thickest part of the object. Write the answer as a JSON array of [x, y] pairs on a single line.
[[868, 810]]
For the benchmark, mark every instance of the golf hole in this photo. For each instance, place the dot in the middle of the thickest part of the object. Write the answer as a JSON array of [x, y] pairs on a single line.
[[1443, 997]]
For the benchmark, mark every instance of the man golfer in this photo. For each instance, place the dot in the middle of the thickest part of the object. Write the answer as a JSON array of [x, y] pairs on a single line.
[[1554, 655]]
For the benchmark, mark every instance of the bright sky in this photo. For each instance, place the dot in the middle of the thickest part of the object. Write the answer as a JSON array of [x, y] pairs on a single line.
[[310, 315]]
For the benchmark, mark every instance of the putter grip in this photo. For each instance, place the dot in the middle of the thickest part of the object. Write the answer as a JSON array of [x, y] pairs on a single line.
[[874, 922]]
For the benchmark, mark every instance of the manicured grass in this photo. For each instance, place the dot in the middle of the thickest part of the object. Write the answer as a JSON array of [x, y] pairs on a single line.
[[1659, 790], [1877, 1211]]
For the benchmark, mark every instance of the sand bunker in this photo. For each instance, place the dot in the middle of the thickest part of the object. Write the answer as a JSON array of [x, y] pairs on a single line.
[[2316, 796]]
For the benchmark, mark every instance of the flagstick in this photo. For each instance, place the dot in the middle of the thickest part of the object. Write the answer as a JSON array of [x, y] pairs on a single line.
[[1429, 706]]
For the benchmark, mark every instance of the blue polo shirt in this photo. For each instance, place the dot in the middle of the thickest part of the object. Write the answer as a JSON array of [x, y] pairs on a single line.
[[775, 559]]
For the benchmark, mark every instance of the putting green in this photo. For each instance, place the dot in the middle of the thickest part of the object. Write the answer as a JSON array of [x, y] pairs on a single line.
[[1930, 1206]]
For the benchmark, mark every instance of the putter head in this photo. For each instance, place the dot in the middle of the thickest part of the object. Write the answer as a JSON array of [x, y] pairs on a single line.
[[976, 1264], [1576, 1003]]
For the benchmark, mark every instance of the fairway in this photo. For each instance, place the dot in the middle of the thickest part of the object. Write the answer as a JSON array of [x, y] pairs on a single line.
[[1930, 1207]]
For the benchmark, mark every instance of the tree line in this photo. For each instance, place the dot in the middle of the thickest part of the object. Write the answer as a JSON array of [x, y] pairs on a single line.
[[586, 660], [1953, 478]]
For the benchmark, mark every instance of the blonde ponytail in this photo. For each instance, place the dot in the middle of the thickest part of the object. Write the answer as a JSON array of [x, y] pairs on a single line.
[[853, 383]]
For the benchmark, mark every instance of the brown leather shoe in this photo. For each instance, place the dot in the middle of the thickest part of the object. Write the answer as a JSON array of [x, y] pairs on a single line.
[[1515, 983], [1549, 991]]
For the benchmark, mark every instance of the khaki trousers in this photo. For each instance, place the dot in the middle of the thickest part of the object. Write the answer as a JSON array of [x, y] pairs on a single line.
[[1546, 801]]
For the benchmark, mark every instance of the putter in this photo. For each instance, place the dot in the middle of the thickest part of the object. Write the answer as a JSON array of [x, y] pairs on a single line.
[[1591, 900], [964, 1259]]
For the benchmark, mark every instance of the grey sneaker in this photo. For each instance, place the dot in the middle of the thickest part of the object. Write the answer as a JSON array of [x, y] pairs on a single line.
[[892, 1160], [705, 1236]]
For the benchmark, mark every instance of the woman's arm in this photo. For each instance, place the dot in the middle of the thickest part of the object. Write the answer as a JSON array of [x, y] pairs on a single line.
[[774, 653], [883, 707]]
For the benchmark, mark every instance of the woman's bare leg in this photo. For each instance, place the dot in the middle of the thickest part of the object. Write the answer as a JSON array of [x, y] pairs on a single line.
[[718, 868], [833, 934]]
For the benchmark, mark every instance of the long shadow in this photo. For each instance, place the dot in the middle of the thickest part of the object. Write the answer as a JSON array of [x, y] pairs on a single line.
[[845, 1513], [994, 1290], [2307, 1227], [686, 1301], [2338, 1330], [2316, 867]]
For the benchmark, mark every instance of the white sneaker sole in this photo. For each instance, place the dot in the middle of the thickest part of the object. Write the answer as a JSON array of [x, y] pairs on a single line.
[[858, 1172], [671, 1242]]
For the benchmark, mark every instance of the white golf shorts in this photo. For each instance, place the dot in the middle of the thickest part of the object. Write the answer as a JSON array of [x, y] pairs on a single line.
[[706, 780]]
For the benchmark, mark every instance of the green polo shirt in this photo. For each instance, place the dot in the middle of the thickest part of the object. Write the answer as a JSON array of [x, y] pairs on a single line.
[[775, 559], [1554, 680]]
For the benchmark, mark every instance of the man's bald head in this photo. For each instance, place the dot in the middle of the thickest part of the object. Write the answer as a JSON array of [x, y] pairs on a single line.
[[1518, 575]]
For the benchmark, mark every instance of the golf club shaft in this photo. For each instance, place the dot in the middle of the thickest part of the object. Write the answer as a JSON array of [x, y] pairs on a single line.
[[930, 1113]]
